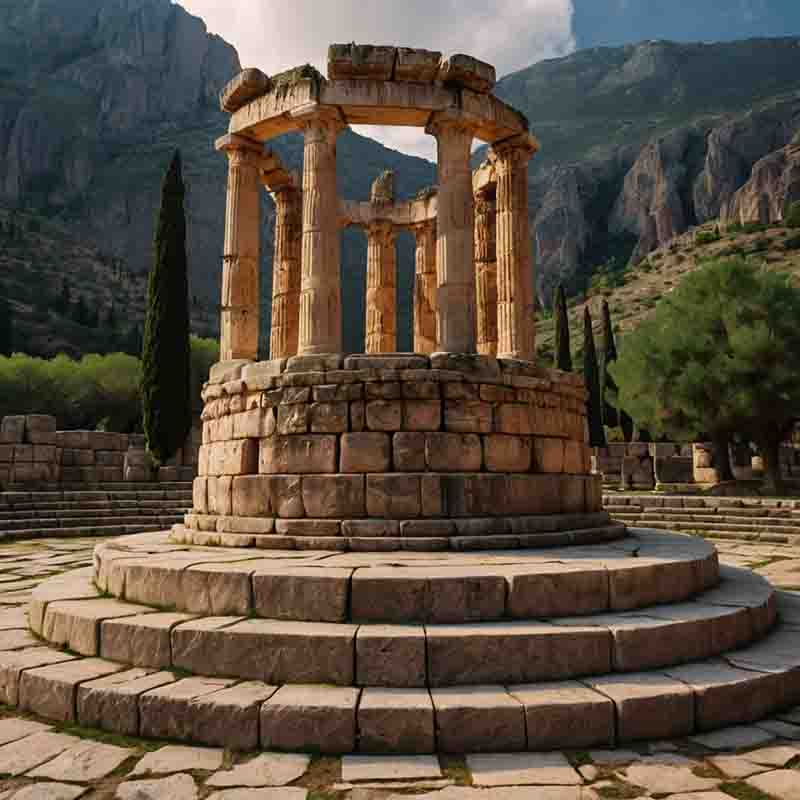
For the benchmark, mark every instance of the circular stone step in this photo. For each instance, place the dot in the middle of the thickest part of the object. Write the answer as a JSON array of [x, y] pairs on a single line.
[[734, 614], [744, 686], [645, 569]]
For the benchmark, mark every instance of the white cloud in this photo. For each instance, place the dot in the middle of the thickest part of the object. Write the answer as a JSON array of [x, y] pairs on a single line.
[[278, 34]]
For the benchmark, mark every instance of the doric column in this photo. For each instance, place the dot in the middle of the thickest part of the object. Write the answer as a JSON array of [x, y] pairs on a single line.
[[486, 273], [425, 288], [455, 256], [516, 323], [320, 289], [286, 272], [239, 325], [381, 336]]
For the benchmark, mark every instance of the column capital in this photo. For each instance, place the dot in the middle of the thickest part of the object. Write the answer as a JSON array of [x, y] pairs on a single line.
[[452, 122], [519, 149], [327, 118], [232, 142], [382, 229]]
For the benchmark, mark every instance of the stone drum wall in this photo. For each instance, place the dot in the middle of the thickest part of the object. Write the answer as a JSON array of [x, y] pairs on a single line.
[[392, 452]]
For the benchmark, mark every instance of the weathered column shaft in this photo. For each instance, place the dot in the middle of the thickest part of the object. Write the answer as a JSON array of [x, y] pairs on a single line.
[[516, 321], [320, 293], [425, 289], [486, 274], [286, 272], [455, 249], [381, 330], [239, 324]]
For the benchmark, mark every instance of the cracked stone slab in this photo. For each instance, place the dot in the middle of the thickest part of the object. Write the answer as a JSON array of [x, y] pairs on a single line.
[[268, 769], [284, 793], [30, 752], [85, 762], [176, 758], [781, 783], [660, 778], [734, 738], [778, 756], [389, 768], [48, 791], [517, 769], [13, 729], [736, 766], [176, 787]]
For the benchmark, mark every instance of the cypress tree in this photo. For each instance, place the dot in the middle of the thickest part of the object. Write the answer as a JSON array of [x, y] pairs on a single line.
[[6, 328], [562, 345], [607, 385], [166, 405], [591, 374]]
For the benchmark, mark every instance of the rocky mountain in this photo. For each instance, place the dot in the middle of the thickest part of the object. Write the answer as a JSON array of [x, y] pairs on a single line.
[[618, 22], [642, 141], [94, 97]]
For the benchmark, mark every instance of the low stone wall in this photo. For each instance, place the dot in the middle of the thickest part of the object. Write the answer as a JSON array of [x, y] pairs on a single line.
[[32, 451]]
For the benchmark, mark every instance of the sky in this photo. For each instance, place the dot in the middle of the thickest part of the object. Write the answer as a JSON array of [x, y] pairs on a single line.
[[275, 35]]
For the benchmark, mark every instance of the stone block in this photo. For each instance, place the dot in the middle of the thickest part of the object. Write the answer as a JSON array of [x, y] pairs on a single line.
[[311, 532], [467, 416], [370, 528], [558, 590], [334, 496], [382, 390], [420, 390], [453, 452], [370, 62], [6, 453], [391, 656], [409, 452], [246, 86], [366, 452], [13, 429], [257, 423], [23, 452], [393, 496], [317, 718], [565, 715], [432, 496], [573, 494], [648, 705], [302, 593], [285, 496], [226, 371], [514, 652], [329, 417], [573, 458], [252, 496], [293, 419], [358, 416], [220, 498], [515, 418], [422, 415], [396, 721], [503, 453], [14, 663], [142, 641], [112, 703], [417, 66], [471, 495], [268, 650], [468, 72], [384, 415], [39, 423], [312, 454], [51, 691], [238, 457], [478, 719]]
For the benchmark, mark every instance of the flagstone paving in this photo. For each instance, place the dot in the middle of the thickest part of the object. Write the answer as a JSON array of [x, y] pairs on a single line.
[[41, 761]]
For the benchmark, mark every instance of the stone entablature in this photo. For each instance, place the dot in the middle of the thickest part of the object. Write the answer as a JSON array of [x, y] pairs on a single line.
[[391, 448]]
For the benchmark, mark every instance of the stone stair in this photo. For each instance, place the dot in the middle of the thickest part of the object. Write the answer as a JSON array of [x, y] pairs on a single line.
[[746, 519], [580, 646], [106, 510]]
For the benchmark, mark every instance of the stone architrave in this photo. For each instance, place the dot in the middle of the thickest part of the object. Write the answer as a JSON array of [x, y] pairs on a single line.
[[486, 273], [320, 287], [286, 272], [425, 288], [516, 323], [455, 248], [381, 302], [241, 261]]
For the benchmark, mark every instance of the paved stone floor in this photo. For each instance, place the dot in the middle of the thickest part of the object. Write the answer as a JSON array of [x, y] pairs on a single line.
[[48, 762]]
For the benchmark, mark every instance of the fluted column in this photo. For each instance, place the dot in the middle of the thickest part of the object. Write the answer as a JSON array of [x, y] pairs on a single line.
[[240, 317], [381, 335], [455, 256], [286, 272], [425, 288], [516, 323], [320, 289], [486, 274]]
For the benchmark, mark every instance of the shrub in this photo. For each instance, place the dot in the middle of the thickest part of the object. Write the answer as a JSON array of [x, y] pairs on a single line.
[[793, 243], [792, 219], [707, 237], [761, 245]]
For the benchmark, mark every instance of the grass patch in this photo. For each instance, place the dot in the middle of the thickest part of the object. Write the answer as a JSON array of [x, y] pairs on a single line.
[[743, 791], [579, 758], [619, 791]]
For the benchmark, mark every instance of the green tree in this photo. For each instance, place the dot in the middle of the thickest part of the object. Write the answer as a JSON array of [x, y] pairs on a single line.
[[591, 374], [720, 355], [6, 328], [80, 311], [613, 415], [562, 345], [166, 404], [64, 299]]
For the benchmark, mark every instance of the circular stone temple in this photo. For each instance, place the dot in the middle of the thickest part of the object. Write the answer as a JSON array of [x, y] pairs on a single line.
[[465, 444], [245, 629]]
